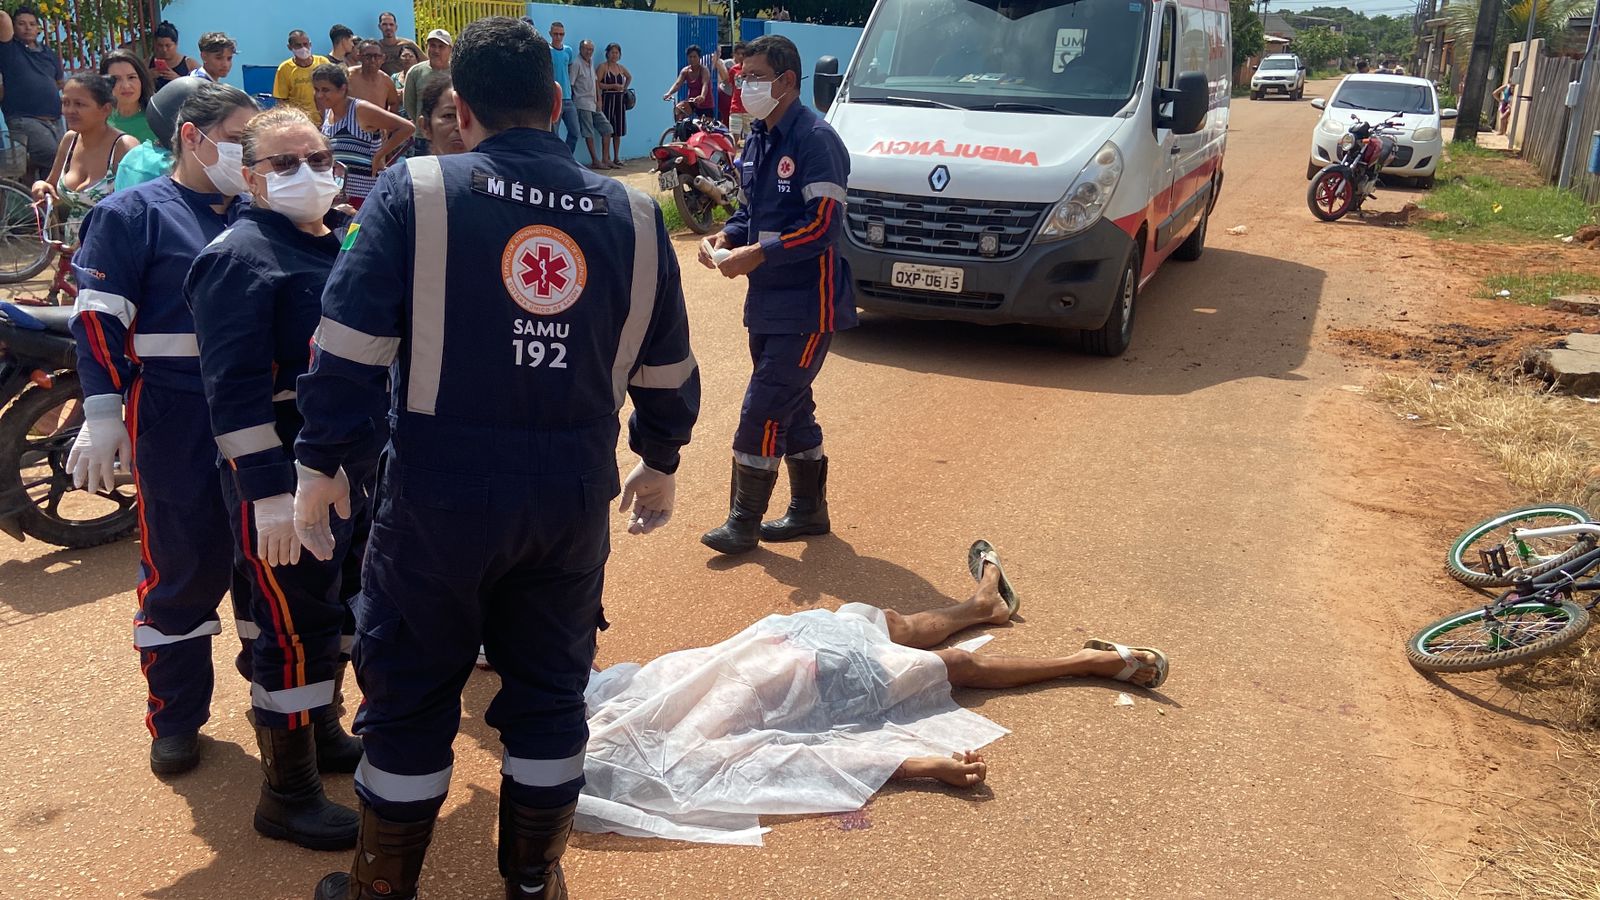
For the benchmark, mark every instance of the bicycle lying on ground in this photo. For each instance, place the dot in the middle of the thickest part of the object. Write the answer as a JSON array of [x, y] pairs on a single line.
[[1486, 555], [1539, 614]]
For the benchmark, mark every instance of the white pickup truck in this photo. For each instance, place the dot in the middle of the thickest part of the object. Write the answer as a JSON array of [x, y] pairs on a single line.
[[1280, 73]]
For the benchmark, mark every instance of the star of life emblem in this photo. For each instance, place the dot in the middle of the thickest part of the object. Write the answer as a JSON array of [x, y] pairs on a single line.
[[543, 269]]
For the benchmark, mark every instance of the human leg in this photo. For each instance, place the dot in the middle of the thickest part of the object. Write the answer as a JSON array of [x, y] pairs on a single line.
[[185, 567], [985, 671], [808, 467], [930, 628], [569, 121], [958, 769]]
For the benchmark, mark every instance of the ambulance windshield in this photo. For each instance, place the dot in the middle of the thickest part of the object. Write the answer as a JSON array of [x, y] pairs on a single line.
[[1079, 57]]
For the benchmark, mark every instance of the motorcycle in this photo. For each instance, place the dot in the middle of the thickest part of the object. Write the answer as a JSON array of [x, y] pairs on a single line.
[[43, 403], [698, 167], [1341, 187]]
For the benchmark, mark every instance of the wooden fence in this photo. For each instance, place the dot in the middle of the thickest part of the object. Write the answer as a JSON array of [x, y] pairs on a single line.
[[453, 15], [1549, 121]]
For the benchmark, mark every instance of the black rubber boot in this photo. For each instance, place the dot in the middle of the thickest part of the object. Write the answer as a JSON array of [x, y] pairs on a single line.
[[337, 751], [175, 753], [531, 843], [808, 503], [748, 496], [293, 806], [387, 865]]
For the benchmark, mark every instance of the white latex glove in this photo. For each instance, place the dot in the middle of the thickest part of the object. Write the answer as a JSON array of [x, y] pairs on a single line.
[[276, 544], [650, 494], [312, 497], [101, 444]]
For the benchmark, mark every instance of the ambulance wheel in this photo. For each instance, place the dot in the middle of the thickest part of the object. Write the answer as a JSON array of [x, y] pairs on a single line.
[[1112, 338], [696, 209], [1195, 244]]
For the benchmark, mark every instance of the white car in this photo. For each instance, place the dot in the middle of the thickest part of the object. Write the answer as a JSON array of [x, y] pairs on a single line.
[[1374, 98], [1281, 73]]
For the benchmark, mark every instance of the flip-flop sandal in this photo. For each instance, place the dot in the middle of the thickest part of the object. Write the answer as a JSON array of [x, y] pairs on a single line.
[[1131, 666], [982, 552]]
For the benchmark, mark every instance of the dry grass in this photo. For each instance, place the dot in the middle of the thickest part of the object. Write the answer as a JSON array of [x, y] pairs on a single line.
[[1547, 444]]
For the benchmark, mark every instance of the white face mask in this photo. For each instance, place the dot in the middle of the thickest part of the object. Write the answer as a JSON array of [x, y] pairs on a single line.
[[305, 196], [757, 98], [302, 53], [224, 173]]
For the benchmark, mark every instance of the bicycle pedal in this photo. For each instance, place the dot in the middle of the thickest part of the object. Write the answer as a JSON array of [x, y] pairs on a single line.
[[1496, 560]]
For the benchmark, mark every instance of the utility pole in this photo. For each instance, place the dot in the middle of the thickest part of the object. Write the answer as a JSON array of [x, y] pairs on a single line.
[[1471, 110], [1520, 77]]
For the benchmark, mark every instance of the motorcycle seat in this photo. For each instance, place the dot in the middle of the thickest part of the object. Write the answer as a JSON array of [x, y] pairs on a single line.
[[51, 319]]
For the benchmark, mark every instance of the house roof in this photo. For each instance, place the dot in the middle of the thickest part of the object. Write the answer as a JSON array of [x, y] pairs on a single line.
[[1273, 23]]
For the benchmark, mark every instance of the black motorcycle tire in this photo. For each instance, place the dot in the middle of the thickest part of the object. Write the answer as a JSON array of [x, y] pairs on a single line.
[[14, 426], [1335, 169], [697, 210]]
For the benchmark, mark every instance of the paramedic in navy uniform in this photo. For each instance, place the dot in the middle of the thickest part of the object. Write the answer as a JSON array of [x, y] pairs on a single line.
[[785, 238], [522, 299]]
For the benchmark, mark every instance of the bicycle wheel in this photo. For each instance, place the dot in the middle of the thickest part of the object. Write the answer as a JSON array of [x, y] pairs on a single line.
[[1535, 557], [23, 252], [1471, 641]]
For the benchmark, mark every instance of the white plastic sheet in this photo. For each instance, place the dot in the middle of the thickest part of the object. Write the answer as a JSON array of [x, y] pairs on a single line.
[[800, 714]]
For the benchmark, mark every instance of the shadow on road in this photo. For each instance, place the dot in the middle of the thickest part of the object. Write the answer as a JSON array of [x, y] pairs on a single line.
[[61, 579], [830, 567], [1228, 316]]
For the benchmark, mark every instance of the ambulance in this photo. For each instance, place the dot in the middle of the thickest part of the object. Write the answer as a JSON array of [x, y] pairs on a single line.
[[1029, 161]]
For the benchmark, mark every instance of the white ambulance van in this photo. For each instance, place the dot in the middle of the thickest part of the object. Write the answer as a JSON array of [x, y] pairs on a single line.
[[1029, 161]]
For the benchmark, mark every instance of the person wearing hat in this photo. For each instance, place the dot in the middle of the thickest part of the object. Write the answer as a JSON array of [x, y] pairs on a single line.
[[216, 56], [417, 78], [292, 85]]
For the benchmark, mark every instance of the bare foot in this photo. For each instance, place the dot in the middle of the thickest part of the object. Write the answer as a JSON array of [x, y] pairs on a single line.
[[962, 770], [1107, 664], [988, 597]]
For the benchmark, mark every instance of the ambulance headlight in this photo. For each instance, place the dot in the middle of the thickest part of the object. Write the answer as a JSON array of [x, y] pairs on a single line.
[[1086, 201]]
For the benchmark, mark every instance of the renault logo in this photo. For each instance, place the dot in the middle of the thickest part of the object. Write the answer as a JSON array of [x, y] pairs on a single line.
[[939, 178]]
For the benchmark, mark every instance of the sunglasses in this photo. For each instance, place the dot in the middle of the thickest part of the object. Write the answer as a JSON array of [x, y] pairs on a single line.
[[289, 163]]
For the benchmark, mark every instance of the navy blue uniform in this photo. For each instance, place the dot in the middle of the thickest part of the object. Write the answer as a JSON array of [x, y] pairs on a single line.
[[256, 294], [794, 176], [136, 337], [521, 299]]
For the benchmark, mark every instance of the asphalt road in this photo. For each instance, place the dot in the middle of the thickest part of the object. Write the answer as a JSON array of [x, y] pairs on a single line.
[[1178, 496]]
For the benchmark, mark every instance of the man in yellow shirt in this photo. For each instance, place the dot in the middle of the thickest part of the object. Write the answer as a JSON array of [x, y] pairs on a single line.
[[292, 86]]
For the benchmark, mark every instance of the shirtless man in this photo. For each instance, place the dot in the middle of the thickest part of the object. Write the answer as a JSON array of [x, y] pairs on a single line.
[[368, 82]]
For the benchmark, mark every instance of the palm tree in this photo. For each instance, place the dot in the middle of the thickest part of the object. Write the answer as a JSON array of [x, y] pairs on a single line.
[[1550, 23]]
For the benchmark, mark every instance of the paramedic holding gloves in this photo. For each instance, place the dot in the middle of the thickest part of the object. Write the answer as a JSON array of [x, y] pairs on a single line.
[[784, 237], [136, 338], [522, 299]]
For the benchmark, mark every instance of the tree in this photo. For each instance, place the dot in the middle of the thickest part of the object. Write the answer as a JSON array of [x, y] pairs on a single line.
[[1319, 45], [1249, 37], [1471, 109]]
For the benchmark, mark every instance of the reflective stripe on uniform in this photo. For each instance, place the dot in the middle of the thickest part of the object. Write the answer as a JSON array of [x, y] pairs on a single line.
[[147, 636], [402, 788], [357, 346], [246, 441], [174, 345], [823, 189], [292, 700], [108, 303], [248, 631], [765, 235], [642, 297], [427, 283], [542, 772], [668, 377]]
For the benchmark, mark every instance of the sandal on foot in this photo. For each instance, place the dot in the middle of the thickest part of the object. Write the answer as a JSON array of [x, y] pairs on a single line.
[[982, 552], [1131, 666]]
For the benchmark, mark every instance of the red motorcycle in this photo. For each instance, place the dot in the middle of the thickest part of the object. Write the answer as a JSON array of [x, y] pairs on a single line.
[[698, 167], [1341, 187]]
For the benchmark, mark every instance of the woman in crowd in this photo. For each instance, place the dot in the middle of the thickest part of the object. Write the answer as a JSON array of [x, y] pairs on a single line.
[[131, 318], [86, 161], [438, 117], [256, 296], [364, 136], [613, 79], [169, 63], [133, 90], [408, 58]]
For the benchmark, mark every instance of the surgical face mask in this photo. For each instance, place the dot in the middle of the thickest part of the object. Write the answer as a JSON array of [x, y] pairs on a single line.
[[302, 53], [224, 173], [303, 196], [758, 99]]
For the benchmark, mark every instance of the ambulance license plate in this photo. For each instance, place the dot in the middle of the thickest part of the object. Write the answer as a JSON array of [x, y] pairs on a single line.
[[947, 279], [669, 180]]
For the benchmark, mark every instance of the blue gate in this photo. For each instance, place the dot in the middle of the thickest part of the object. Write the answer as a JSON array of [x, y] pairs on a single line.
[[702, 32]]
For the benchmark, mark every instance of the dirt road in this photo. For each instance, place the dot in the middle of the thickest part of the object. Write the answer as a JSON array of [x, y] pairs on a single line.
[[1214, 492]]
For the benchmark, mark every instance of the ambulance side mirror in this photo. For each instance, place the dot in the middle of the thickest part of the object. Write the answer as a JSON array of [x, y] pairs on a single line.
[[825, 86], [1190, 100]]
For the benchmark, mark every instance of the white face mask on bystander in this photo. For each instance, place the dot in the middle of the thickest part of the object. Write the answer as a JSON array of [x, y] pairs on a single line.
[[302, 197]]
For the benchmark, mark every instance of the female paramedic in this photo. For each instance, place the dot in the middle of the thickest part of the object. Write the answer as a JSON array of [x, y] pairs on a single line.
[[256, 294], [136, 340]]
